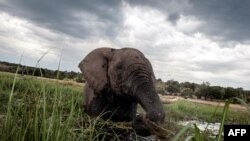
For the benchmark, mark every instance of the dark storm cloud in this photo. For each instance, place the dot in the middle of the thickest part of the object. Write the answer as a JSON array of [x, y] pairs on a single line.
[[173, 8], [226, 19], [76, 18]]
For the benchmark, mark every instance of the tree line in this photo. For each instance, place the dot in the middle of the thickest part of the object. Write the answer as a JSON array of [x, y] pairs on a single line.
[[42, 72], [202, 91]]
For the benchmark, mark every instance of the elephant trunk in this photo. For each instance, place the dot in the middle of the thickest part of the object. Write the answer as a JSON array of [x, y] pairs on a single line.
[[140, 85], [150, 101]]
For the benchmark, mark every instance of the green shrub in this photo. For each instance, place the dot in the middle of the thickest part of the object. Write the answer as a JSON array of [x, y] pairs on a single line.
[[187, 92]]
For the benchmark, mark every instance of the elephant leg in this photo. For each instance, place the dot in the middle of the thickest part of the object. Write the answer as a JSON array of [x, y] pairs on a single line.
[[109, 105], [88, 96], [122, 109], [119, 109], [98, 106], [94, 104]]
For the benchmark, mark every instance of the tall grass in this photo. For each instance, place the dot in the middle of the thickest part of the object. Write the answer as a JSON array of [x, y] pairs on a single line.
[[42, 110], [35, 110]]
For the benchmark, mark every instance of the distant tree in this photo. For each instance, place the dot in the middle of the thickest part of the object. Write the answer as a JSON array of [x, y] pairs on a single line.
[[202, 90], [188, 85], [37, 72], [216, 92], [173, 86], [62, 75], [159, 79], [230, 92], [71, 75], [240, 92], [56, 74], [80, 78], [247, 96], [160, 87], [187, 92]]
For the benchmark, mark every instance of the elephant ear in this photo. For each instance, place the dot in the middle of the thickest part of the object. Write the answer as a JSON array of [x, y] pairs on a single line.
[[94, 68]]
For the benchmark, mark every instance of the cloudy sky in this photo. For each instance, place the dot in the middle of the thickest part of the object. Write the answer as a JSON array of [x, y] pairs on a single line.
[[185, 40]]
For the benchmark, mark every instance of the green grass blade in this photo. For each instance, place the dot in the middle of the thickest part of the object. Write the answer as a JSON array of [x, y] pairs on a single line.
[[198, 135], [25, 131], [225, 111], [189, 138], [11, 95], [181, 132]]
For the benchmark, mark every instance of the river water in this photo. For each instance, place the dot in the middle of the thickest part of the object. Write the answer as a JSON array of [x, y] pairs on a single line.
[[213, 127]]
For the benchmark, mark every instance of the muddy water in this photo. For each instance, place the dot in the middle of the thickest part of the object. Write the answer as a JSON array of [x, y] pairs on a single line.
[[213, 127]]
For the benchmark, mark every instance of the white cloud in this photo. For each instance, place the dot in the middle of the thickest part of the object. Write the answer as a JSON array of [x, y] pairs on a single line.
[[188, 23], [180, 56], [19, 36], [177, 51]]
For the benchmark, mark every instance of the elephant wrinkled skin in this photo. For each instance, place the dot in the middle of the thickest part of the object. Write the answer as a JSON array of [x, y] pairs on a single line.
[[118, 79]]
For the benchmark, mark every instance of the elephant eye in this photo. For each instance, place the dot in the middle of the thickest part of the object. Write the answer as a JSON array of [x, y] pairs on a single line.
[[103, 66], [119, 66]]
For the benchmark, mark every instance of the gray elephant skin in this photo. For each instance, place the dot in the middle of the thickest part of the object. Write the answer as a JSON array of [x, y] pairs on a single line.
[[116, 81]]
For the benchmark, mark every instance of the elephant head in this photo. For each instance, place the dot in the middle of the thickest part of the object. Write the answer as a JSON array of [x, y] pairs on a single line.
[[125, 74]]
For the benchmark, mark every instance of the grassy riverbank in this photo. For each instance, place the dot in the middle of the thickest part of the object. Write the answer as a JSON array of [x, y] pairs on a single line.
[[186, 110], [41, 109]]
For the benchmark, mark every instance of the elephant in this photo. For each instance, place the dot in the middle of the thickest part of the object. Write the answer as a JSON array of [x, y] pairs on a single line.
[[116, 81]]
